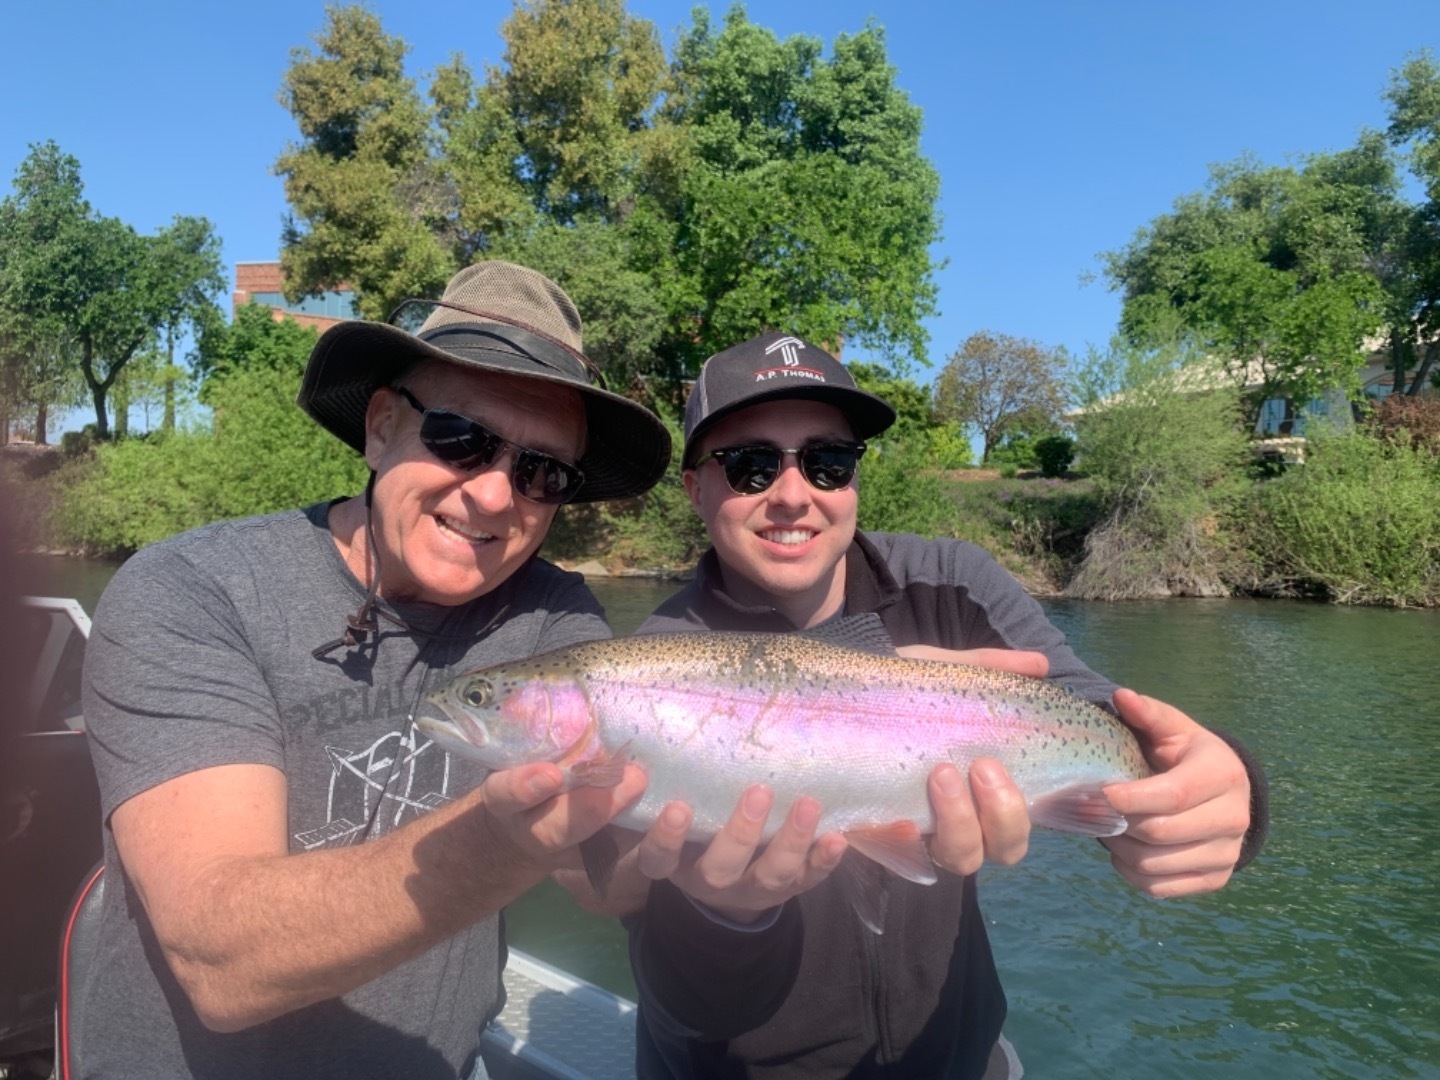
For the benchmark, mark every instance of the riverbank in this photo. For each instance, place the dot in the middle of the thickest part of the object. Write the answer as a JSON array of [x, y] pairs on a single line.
[[1317, 534]]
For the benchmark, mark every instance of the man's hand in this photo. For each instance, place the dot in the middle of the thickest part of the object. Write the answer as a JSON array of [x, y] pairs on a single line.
[[1188, 821], [986, 819], [528, 816], [727, 877]]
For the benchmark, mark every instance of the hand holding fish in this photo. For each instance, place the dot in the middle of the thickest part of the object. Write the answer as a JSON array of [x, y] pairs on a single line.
[[833, 714], [529, 814], [1188, 821], [728, 877], [983, 821]]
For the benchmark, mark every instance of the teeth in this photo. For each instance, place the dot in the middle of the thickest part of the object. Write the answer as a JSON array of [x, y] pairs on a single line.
[[455, 527], [786, 536]]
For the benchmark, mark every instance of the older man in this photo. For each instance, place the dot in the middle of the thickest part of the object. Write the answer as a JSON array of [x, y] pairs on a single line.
[[756, 965], [299, 886]]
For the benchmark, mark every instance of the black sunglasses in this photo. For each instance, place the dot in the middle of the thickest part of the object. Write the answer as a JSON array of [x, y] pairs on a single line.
[[470, 445], [749, 470]]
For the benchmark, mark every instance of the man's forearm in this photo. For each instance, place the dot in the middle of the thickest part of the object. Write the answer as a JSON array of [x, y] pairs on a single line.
[[253, 938]]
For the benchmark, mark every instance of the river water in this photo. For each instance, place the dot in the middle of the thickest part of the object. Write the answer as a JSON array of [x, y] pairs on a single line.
[[1320, 960]]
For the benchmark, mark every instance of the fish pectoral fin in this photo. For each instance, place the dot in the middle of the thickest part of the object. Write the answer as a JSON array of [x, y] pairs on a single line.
[[1079, 808], [599, 771], [599, 854], [898, 846], [862, 883]]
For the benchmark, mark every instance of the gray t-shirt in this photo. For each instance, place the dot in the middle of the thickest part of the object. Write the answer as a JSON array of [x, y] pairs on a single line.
[[201, 655]]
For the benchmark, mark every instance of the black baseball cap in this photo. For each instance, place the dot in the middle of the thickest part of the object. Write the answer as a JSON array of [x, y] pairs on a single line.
[[771, 367]]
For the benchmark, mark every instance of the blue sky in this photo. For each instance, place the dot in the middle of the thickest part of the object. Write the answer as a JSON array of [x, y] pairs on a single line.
[[1057, 128]]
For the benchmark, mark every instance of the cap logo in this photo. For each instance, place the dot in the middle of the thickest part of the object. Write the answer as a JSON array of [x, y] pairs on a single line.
[[789, 349]]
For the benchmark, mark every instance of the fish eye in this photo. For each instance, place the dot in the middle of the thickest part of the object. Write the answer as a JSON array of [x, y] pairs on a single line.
[[476, 692]]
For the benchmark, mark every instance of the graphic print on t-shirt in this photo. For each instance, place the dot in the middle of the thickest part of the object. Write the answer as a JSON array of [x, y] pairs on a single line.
[[375, 789]]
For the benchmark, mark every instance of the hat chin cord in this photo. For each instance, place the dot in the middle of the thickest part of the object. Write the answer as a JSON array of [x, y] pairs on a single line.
[[361, 623]]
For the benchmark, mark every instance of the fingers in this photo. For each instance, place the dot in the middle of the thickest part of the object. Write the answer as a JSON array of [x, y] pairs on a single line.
[[730, 852], [511, 791], [1004, 817], [1033, 664], [729, 877], [527, 809], [1203, 771], [1181, 870], [1153, 720], [659, 852], [984, 819]]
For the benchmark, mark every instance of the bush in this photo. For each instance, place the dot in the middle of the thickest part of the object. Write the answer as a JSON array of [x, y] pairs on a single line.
[[949, 448], [1054, 453], [657, 530], [1415, 420], [1359, 521], [75, 443], [264, 455], [900, 490], [1169, 464]]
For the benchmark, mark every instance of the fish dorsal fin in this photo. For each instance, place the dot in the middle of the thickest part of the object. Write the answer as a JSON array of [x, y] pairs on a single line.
[[1079, 808], [863, 632], [862, 882], [898, 847]]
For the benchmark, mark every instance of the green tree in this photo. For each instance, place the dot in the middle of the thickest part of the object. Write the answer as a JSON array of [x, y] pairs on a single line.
[[750, 183], [1414, 97], [999, 384], [188, 265], [90, 281], [1281, 273], [369, 205], [255, 339], [1161, 439]]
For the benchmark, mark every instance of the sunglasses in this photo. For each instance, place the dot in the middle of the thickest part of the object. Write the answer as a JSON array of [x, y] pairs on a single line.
[[470, 445], [749, 470]]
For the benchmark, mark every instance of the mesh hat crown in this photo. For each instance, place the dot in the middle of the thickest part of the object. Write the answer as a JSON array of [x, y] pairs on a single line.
[[500, 317]]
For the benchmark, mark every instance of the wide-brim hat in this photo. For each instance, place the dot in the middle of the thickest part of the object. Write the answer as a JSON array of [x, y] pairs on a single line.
[[773, 367], [493, 316]]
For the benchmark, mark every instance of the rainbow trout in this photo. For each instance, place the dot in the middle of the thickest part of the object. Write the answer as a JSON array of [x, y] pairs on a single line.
[[831, 713]]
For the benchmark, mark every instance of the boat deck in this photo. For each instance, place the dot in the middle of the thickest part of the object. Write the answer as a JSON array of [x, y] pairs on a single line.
[[555, 1025]]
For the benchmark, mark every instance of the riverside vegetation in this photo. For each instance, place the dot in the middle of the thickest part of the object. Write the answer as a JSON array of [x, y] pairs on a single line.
[[1166, 500]]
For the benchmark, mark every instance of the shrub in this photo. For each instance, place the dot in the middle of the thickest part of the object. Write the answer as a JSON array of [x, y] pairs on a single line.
[[1169, 464], [262, 455], [1413, 419], [1359, 521], [900, 490], [949, 448], [1054, 453]]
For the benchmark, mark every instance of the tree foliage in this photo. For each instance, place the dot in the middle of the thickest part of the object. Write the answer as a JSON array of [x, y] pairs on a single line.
[[998, 384], [1281, 273], [1287, 273], [254, 339], [258, 454], [744, 183], [1414, 97], [90, 283]]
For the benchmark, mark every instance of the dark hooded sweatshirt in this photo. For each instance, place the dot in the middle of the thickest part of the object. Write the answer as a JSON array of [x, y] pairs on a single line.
[[815, 994]]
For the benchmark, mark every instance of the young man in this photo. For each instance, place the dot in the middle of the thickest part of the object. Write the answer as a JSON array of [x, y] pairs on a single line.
[[297, 884], [756, 966]]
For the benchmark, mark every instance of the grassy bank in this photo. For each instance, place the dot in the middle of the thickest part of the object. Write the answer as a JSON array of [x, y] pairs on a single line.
[[1358, 523]]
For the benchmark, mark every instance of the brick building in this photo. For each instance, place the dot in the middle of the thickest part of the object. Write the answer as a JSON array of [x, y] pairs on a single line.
[[262, 283]]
